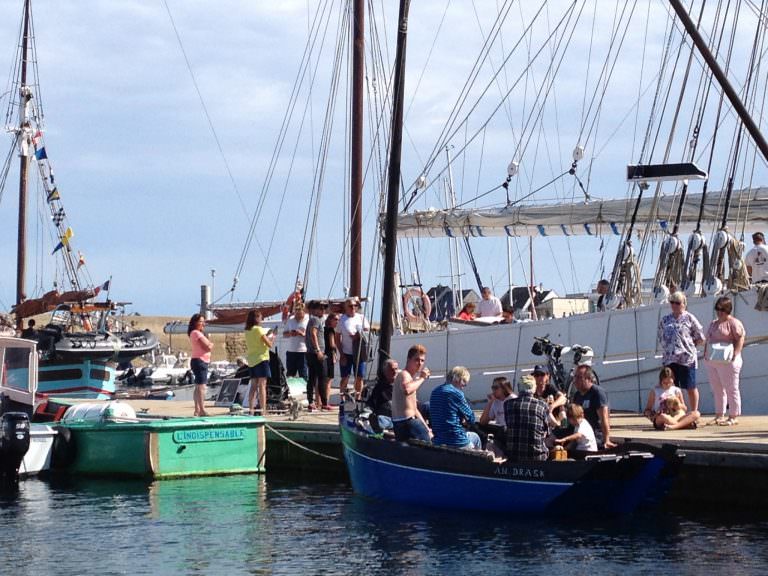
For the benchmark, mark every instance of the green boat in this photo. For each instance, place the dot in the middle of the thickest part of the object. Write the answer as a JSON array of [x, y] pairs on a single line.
[[110, 440]]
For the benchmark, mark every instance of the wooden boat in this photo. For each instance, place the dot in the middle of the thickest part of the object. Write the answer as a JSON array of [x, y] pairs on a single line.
[[78, 347], [108, 439], [611, 482]]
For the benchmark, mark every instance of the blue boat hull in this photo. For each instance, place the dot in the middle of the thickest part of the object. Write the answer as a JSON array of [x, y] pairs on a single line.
[[615, 483]]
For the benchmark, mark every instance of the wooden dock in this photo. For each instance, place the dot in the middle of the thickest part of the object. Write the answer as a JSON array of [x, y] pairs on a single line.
[[725, 465]]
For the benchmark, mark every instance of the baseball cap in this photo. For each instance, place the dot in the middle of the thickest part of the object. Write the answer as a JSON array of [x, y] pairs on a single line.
[[540, 369]]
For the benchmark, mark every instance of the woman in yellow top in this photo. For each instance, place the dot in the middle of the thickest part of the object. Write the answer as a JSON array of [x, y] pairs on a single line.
[[258, 341]]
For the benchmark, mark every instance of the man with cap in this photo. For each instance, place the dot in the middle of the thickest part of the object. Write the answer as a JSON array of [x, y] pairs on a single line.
[[546, 391], [757, 259], [528, 424]]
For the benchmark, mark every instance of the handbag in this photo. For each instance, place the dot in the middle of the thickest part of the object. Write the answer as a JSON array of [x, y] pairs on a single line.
[[720, 353]]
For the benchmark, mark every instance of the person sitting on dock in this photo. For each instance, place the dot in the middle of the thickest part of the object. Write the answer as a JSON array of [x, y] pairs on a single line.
[[408, 422], [528, 424], [594, 400], [583, 438], [449, 409], [490, 305], [658, 395], [673, 411]]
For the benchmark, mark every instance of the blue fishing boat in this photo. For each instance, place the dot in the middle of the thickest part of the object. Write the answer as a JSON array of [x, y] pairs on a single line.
[[617, 481]]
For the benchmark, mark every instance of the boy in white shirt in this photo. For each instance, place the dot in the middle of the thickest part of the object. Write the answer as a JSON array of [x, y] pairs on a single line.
[[583, 437]]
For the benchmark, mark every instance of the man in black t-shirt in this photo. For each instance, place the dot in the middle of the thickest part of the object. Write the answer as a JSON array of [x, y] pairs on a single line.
[[595, 403]]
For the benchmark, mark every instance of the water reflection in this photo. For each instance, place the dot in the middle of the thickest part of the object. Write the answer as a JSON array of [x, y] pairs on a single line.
[[246, 525]]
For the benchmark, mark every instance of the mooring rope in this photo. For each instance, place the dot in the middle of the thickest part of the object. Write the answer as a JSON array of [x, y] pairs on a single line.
[[293, 442]]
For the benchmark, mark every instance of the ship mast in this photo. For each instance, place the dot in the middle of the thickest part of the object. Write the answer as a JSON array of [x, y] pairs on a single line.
[[25, 95], [393, 189], [718, 73], [356, 167]]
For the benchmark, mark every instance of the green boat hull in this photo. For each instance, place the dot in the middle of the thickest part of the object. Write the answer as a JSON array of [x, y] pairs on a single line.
[[162, 448]]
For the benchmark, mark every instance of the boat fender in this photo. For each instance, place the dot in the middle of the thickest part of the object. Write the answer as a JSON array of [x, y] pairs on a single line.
[[713, 286], [419, 302], [64, 449]]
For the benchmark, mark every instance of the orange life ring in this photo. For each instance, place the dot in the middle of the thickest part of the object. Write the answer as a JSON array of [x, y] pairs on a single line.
[[415, 299]]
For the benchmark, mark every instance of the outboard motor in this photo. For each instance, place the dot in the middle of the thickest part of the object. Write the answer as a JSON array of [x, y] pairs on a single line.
[[14, 443]]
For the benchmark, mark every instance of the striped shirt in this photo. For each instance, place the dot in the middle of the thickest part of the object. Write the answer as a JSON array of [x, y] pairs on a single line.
[[447, 408], [527, 425]]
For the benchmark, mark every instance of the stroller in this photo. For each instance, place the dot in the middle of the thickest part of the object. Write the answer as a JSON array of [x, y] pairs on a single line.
[[277, 385]]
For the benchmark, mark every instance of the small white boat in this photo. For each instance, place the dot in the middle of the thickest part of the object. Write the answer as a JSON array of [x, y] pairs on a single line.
[[18, 386], [168, 369]]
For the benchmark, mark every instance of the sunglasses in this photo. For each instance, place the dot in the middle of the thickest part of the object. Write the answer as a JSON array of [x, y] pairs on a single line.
[[717, 309], [676, 303]]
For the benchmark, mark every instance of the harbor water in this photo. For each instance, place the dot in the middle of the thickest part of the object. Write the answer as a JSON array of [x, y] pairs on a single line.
[[252, 525]]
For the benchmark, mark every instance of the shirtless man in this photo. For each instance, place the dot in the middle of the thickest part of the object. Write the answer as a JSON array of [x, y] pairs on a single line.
[[408, 421]]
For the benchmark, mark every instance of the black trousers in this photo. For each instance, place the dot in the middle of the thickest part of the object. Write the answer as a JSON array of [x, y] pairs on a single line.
[[316, 378]]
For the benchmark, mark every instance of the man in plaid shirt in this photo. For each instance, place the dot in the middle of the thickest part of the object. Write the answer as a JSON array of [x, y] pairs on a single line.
[[527, 419]]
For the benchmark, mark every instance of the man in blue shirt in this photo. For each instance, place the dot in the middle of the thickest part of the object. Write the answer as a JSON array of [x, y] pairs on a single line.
[[448, 408]]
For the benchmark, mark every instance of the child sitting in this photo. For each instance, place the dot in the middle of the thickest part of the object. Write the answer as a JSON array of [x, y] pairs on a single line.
[[583, 437], [654, 409]]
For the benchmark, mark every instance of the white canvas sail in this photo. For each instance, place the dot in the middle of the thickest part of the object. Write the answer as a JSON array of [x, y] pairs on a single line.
[[595, 218]]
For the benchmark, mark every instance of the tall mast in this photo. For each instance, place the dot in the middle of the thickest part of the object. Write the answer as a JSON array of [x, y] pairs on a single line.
[[356, 168], [24, 97], [718, 73], [453, 243], [393, 188]]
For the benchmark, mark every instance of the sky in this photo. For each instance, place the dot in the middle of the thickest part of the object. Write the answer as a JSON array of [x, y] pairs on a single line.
[[161, 174]]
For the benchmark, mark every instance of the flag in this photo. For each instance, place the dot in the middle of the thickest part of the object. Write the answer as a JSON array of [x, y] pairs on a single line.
[[41, 154], [68, 233], [37, 136], [80, 259], [53, 195], [58, 216], [104, 286]]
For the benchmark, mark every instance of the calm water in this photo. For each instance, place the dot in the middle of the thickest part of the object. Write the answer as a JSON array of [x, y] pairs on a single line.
[[246, 525]]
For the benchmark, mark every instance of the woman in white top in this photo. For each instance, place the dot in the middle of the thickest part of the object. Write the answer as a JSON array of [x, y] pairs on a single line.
[[492, 419], [501, 390]]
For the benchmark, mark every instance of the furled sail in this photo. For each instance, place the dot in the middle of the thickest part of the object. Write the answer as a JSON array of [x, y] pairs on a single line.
[[595, 218]]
